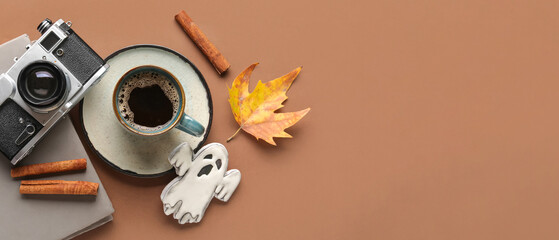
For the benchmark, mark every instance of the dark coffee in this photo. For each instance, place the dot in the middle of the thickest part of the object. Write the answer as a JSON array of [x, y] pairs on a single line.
[[150, 106], [148, 100]]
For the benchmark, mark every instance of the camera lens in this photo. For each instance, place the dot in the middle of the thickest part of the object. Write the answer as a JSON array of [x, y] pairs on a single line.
[[41, 84]]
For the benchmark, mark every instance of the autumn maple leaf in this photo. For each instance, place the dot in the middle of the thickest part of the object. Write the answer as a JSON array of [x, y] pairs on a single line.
[[255, 112]]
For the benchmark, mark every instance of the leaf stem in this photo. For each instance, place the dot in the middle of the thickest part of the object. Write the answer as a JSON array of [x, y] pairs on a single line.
[[235, 134]]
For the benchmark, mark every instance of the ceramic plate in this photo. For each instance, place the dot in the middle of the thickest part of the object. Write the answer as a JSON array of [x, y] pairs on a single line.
[[125, 151]]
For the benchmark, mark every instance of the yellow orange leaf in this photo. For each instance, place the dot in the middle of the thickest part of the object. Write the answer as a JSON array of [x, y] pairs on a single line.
[[255, 112]]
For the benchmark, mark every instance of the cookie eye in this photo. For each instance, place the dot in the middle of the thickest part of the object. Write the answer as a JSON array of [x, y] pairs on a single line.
[[209, 156], [205, 170], [218, 164]]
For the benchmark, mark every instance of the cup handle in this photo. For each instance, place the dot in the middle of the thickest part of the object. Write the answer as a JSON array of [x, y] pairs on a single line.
[[190, 126]]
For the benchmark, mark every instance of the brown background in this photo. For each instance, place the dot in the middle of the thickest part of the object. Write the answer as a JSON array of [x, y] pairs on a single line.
[[429, 120]]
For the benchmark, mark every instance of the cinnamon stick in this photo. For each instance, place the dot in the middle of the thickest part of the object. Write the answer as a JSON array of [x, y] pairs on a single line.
[[52, 167], [58, 187], [199, 38]]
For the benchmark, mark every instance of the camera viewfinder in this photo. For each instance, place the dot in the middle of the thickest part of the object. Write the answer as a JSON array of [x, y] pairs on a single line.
[[49, 41]]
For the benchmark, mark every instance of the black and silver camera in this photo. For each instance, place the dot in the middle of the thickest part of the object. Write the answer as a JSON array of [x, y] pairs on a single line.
[[40, 82]]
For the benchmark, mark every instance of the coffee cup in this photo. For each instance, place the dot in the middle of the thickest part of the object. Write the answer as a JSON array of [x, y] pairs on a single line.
[[148, 100]]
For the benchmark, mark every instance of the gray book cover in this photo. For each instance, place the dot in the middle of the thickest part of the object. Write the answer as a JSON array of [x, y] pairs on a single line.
[[52, 216]]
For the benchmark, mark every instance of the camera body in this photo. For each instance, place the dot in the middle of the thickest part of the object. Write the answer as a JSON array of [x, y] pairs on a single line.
[[43, 84]]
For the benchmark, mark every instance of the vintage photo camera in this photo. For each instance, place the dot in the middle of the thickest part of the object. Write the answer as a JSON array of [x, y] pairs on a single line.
[[40, 82]]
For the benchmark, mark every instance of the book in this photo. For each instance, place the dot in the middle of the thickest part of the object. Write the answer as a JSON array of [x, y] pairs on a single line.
[[52, 216]]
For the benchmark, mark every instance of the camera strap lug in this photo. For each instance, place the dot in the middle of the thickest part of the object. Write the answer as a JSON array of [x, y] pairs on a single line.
[[27, 132]]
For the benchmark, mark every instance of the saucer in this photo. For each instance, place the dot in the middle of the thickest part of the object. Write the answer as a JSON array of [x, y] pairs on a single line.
[[127, 152]]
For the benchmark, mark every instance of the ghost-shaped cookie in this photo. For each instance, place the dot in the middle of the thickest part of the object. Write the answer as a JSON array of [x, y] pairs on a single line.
[[201, 177]]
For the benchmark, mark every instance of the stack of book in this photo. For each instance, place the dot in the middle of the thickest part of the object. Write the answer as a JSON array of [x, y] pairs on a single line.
[[52, 216]]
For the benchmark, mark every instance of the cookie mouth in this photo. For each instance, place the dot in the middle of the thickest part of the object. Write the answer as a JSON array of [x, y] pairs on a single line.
[[205, 170]]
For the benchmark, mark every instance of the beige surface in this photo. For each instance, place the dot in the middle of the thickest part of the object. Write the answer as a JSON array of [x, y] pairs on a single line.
[[449, 112]]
